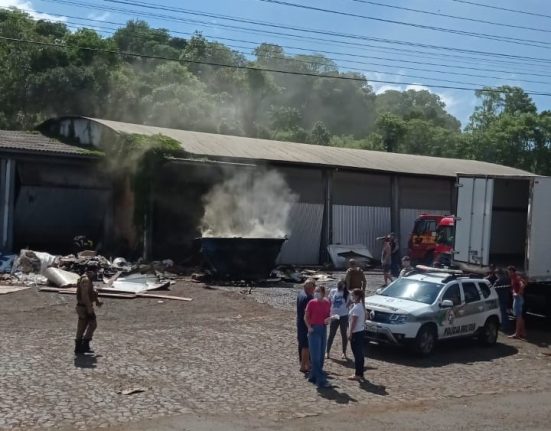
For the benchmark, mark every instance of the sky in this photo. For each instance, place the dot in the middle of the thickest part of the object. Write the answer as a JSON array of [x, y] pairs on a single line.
[[361, 44]]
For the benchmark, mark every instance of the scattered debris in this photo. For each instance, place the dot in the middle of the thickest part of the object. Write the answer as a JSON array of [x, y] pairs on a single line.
[[60, 277], [131, 391], [121, 264], [87, 253], [340, 254], [322, 277], [135, 283], [33, 262], [289, 274], [6, 262], [154, 295], [73, 291], [10, 289], [200, 277]]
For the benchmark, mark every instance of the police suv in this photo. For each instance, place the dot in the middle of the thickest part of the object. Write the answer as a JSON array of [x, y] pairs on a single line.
[[424, 307]]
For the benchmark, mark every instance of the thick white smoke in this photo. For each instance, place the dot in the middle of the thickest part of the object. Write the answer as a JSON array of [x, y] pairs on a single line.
[[249, 204]]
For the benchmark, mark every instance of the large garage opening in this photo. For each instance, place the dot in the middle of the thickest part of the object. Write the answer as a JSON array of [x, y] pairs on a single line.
[[509, 222]]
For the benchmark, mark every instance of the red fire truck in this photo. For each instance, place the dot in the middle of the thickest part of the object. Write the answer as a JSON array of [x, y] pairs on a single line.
[[431, 239]]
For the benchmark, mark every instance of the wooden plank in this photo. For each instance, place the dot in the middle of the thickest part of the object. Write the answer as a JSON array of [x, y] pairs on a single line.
[[152, 295], [49, 289], [115, 295], [73, 291]]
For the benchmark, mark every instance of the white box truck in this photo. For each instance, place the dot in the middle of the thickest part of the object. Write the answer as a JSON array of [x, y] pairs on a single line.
[[505, 220]]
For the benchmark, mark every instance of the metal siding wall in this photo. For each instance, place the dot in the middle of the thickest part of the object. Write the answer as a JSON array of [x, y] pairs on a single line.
[[360, 189], [425, 193], [361, 225], [303, 245], [407, 217], [306, 183]]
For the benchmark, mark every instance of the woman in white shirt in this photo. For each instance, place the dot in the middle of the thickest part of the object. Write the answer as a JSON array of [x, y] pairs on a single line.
[[356, 333], [340, 302]]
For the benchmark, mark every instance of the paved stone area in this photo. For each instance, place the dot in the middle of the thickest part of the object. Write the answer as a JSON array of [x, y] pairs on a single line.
[[224, 354]]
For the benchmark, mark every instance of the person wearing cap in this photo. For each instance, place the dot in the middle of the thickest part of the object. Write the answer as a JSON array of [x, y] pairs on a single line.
[[355, 277], [406, 266], [86, 326]]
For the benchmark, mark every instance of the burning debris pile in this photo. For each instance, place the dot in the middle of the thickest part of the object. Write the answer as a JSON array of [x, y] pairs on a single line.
[[245, 224], [249, 204]]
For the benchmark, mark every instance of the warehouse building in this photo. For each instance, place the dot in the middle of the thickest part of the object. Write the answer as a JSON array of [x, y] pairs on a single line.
[[345, 196]]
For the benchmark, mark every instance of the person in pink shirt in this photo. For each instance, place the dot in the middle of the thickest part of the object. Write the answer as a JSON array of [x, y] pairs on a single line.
[[316, 317]]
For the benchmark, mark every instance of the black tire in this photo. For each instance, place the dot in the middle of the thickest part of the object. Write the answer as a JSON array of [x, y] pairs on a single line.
[[425, 341], [488, 333]]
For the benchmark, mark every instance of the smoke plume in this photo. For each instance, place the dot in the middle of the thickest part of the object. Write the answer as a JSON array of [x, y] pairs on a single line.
[[249, 204]]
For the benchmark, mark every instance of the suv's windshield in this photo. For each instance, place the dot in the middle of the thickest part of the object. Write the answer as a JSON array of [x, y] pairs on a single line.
[[414, 290]]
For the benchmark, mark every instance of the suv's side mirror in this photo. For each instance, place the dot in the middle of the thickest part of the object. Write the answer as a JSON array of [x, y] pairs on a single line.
[[446, 303], [378, 291]]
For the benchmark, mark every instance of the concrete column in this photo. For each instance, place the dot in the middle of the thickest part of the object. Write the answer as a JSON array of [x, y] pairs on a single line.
[[148, 229], [453, 197], [327, 226], [7, 204], [395, 205]]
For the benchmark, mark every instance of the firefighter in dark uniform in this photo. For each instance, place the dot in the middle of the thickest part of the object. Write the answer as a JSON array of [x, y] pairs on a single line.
[[86, 297]]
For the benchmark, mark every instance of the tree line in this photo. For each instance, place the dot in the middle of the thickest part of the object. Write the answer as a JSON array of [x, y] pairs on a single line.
[[58, 77]]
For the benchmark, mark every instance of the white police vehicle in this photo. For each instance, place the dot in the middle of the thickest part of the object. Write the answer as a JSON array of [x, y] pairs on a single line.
[[421, 308]]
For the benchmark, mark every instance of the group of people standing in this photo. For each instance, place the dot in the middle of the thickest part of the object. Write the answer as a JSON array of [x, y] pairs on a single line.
[[509, 284], [343, 308]]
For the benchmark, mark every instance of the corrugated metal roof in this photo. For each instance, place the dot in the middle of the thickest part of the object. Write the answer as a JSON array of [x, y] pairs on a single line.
[[225, 146], [32, 142]]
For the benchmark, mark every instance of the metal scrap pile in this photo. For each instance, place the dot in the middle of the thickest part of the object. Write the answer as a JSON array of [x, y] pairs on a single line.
[[39, 268]]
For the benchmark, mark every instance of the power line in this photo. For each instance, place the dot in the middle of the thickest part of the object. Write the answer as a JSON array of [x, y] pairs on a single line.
[[426, 12], [365, 57], [311, 62], [392, 50], [506, 39], [291, 60], [524, 12], [253, 68], [298, 29]]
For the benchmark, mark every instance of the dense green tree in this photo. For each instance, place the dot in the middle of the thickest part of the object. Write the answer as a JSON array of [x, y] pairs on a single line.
[[497, 101], [416, 104], [319, 135], [209, 87], [391, 128]]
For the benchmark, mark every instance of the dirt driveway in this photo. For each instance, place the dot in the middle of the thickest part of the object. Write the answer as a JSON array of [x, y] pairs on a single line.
[[223, 354]]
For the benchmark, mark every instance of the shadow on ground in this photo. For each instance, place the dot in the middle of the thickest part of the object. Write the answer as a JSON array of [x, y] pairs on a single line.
[[332, 394], [463, 351], [85, 361], [538, 330]]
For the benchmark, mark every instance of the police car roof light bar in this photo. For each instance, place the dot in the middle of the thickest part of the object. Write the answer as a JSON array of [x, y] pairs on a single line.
[[425, 268]]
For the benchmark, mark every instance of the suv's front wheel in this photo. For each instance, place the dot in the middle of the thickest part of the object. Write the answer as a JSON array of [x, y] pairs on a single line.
[[425, 341], [488, 333]]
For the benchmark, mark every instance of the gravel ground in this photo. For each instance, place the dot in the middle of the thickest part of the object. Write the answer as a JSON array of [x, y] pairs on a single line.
[[282, 295], [223, 354]]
